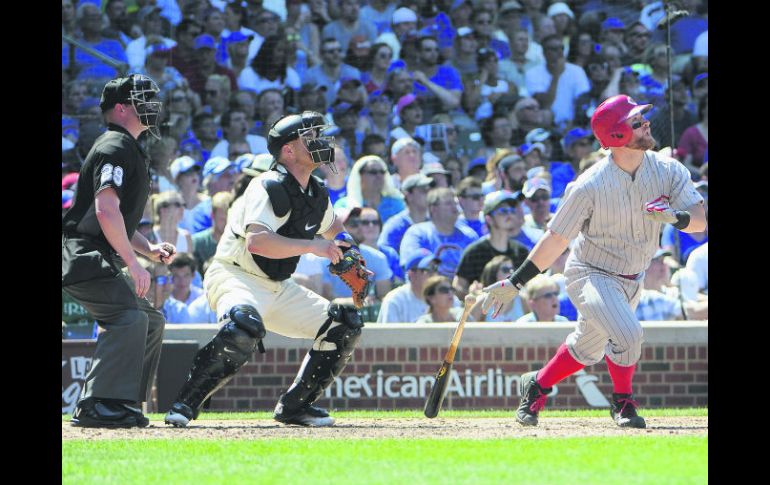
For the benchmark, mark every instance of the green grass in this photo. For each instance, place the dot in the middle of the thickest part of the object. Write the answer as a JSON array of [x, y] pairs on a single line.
[[446, 413], [629, 460]]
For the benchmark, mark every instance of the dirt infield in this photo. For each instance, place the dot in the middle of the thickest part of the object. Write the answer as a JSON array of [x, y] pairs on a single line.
[[407, 428]]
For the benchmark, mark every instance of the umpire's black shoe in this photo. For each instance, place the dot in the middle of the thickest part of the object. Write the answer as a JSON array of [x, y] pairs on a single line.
[[179, 415], [533, 398], [103, 413], [623, 411], [305, 416]]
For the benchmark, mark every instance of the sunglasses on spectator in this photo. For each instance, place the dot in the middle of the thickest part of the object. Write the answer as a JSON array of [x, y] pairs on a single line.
[[373, 172], [472, 196], [506, 269], [332, 51], [211, 92], [505, 210], [292, 37], [362, 222], [384, 55], [430, 269], [552, 294], [444, 290], [265, 19], [170, 204], [539, 198], [641, 34], [179, 99], [484, 22]]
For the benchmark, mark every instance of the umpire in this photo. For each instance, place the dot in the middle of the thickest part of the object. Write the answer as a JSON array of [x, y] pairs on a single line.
[[99, 238]]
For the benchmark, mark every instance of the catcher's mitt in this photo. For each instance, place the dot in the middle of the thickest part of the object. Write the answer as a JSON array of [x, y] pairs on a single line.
[[352, 270]]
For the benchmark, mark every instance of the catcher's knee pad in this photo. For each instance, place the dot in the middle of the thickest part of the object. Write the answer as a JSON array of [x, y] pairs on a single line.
[[327, 358], [216, 363]]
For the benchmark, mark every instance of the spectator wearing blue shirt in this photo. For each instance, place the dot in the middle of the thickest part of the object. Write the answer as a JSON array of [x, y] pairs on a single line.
[[331, 69], [577, 144], [336, 182], [87, 66], [482, 22], [370, 185], [471, 200], [219, 175], [349, 24], [438, 85], [443, 235], [364, 224], [415, 189]]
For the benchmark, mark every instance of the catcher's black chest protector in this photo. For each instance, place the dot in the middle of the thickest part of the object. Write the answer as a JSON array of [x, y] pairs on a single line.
[[307, 211]]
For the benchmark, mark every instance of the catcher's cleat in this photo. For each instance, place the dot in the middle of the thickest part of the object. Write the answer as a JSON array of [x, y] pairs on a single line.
[[623, 411], [179, 415], [306, 416], [533, 398], [98, 413]]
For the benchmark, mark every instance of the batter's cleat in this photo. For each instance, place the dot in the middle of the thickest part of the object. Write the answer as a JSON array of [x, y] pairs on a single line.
[[104, 413], [306, 416], [623, 411], [533, 398], [179, 415]]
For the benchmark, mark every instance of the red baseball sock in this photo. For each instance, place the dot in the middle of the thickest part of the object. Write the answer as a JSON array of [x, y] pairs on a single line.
[[621, 376], [561, 366]]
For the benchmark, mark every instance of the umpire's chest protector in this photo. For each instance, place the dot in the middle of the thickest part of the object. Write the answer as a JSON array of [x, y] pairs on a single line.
[[307, 211]]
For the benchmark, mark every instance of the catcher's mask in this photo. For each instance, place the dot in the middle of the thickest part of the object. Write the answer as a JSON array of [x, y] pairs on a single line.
[[138, 90], [308, 127]]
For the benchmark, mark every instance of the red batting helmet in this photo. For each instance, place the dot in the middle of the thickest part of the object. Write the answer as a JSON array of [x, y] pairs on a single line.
[[608, 121]]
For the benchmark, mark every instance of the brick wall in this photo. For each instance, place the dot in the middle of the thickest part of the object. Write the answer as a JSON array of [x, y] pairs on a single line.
[[667, 376]]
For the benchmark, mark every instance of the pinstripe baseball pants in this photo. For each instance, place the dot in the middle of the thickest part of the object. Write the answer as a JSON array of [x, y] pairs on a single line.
[[607, 324]]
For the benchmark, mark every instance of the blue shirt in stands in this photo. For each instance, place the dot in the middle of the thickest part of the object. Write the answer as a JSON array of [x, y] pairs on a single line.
[[90, 66], [446, 76], [393, 261], [523, 239], [336, 194], [478, 226], [448, 249], [393, 230], [389, 206], [562, 173], [686, 242], [201, 216], [567, 309]]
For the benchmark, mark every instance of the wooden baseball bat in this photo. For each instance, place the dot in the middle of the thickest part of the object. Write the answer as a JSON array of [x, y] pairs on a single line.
[[438, 391]]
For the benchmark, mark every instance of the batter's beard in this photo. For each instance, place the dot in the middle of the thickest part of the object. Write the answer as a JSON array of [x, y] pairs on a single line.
[[643, 143]]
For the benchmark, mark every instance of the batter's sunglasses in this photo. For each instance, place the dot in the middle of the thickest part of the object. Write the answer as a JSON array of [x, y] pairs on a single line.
[[638, 124]]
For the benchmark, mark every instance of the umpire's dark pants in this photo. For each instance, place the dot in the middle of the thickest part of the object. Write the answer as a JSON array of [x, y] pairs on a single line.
[[128, 350]]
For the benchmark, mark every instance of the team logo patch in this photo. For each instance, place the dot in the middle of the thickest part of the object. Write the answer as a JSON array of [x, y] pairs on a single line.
[[117, 176], [106, 172]]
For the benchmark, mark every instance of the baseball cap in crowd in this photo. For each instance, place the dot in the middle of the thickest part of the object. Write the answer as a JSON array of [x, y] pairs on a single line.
[[405, 101], [205, 41], [493, 200], [237, 36], [510, 6], [560, 7], [145, 222], [343, 108], [377, 96], [145, 12], [537, 135], [433, 168], [216, 165], [311, 87], [360, 45], [416, 180], [457, 4], [182, 165], [67, 197], [574, 135], [613, 23], [401, 143], [476, 162], [528, 148], [463, 31], [508, 160], [421, 259], [533, 185], [403, 14], [350, 80], [699, 79], [254, 165], [534, 171]]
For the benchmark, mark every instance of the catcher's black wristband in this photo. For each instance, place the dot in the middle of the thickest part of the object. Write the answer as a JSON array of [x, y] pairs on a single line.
[[682, 219], [526, 272]]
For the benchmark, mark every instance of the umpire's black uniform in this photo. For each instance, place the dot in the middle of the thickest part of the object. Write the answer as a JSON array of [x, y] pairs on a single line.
[[127, 352]]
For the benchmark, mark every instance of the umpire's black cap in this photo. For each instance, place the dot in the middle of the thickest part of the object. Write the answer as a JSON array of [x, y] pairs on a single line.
[[115, 91]]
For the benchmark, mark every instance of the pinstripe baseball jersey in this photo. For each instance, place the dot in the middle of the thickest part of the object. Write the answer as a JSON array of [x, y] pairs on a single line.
[[603, 211]]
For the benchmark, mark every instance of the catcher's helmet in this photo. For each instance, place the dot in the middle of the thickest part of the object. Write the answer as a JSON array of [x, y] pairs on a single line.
[[308, 127], [608, 120], [137, 90]]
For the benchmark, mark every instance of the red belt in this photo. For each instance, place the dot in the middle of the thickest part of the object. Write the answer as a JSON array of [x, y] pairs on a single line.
[[629, 276]]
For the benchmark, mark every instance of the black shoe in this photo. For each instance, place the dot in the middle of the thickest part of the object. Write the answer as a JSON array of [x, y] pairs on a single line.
[[103, 413], [179, 415], [623, 411], [533, 398], [305, 416]]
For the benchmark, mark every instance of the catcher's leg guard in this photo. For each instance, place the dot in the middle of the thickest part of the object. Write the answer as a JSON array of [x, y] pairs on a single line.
[[320, 367], [216, 363]]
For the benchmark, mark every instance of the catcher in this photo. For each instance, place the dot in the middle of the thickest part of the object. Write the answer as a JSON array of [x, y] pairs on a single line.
[[248, 284]]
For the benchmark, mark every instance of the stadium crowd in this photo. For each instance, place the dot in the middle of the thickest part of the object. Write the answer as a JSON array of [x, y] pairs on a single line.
[[458, 125]]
